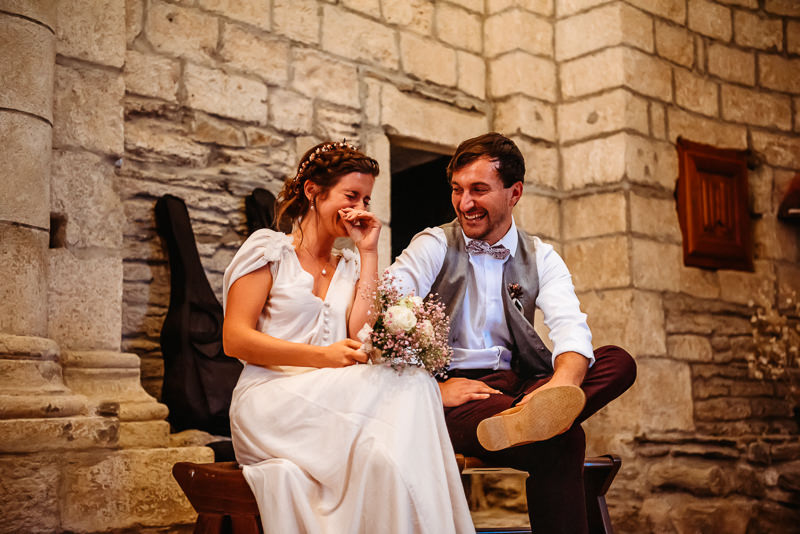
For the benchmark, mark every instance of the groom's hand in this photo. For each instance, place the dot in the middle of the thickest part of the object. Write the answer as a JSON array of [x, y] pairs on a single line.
[[457, 391]]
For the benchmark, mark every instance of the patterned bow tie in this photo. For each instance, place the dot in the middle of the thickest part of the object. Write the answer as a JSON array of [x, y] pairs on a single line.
[[498, 252]]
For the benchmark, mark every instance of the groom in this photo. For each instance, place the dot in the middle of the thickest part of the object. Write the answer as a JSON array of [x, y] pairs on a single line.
[[508, 399]]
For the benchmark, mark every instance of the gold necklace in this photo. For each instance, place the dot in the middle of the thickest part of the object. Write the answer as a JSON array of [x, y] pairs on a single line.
[[323, 271]]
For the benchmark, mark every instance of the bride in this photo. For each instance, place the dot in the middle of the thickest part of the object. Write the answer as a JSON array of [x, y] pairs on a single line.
[[328, 446]]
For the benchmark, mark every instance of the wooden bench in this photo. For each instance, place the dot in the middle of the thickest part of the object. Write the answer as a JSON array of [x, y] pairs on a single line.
[[225, 505]]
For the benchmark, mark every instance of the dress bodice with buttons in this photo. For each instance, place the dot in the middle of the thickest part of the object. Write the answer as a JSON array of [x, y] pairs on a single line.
[[292, 312]]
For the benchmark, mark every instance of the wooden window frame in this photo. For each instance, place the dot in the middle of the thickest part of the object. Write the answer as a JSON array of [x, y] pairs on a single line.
[[713, 207]]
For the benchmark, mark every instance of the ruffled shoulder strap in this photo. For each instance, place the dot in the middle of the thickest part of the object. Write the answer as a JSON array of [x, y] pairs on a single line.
[[262, 247], [352, 260]]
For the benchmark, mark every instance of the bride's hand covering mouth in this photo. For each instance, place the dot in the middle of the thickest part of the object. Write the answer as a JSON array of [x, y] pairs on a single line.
[[363, 227]]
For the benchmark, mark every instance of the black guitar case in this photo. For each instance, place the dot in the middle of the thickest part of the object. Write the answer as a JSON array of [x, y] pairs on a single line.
[[198, 377]]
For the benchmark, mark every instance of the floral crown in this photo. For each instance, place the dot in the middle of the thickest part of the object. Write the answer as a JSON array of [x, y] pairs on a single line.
[[327, 147]]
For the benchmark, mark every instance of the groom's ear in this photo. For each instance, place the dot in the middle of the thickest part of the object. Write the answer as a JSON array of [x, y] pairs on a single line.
[[516, 193]]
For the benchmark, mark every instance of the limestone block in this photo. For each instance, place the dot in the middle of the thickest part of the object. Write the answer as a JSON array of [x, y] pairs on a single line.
[[606, 113], [207, 129], [542, 7], [778, 150], [23, 269], [710, 19], [268, 58], [538, 215], [88, 109], [138, 434], [154, 140], [604, 26], [82, 191], [752, 4], [519, 72], [58, 433], [570, 7], [181, 31], [756, 107], [459, 27], [594, 215], [682, 512], [782, 7], [372, 101], [599, 263], [377, 145], [780, 185], [674, 43], [138, 489], [134, 20], [774, 239], [151, 75], [92, 30], [656, 265], [655, 217], [334, 122], [742, 287], [471, 74], [297, 19], [781, 74], [255, 12], [366, 40], [674, 10], [318, 75], [664, 389], [689, 348], [472, 5], [698, 477], [413, 15], [427, 60], [658, 121], [29, 492], [517, 29], [630, 318], [44, 11], [732, 64], [27, 58], [408, 116], [707, 131], [84, 300], [290, 111], [611, 159], [368, 7], [25, 376], [617, 67], [699, 283], [541, 163], [520, 114], [224, 94], [757, 32], [696, 93], [793, 37], [25, 167]]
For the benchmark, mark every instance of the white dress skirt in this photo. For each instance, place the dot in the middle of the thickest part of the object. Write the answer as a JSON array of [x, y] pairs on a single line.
[[360, 449]]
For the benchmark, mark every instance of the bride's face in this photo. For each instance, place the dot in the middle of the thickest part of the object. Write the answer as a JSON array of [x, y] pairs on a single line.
[[353, 190]]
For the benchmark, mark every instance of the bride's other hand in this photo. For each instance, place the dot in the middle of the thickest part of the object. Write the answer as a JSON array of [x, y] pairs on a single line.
[[363, 227], [343, 353]]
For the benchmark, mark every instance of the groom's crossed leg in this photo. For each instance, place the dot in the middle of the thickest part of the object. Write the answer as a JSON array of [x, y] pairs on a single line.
[[555, 488]]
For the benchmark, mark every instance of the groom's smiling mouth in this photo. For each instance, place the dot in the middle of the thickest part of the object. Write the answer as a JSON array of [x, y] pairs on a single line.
[[474, 216]]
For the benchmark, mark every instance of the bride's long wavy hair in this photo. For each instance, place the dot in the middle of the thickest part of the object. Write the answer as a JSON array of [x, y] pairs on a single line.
[[324, 165]]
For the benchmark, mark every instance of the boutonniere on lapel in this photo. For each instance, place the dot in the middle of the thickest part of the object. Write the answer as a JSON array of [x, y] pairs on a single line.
[[515, 292]]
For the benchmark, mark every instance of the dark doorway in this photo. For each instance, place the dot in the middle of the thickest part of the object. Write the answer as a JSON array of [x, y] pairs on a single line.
[[420, 194]]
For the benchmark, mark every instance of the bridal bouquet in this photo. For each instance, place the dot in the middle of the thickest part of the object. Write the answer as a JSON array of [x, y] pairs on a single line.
[[409, 331]]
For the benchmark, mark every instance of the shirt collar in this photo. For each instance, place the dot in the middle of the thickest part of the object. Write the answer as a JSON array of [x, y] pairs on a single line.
[[509, 240]]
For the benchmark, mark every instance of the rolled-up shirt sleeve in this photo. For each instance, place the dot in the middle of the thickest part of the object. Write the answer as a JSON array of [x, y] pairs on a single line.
[[560, 307]]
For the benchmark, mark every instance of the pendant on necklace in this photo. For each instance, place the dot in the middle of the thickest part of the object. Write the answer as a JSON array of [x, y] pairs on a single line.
[[324, 272]]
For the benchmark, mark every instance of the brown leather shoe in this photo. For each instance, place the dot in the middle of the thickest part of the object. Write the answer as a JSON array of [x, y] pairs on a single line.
[[549, 412]]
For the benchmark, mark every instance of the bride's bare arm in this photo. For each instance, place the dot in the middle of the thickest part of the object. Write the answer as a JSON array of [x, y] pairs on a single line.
[[364, 229], [240, 339]]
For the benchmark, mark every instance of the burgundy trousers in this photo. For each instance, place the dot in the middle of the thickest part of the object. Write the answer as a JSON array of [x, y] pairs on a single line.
[[556, 502]]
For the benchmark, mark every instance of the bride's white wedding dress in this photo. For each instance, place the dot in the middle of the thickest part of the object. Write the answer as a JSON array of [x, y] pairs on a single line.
[[360, 449]]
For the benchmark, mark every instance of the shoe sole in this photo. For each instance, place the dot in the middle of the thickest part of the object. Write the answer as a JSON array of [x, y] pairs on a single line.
[[546, 414]]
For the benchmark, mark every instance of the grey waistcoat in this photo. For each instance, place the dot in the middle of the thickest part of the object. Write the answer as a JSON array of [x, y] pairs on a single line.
[[530, 357]]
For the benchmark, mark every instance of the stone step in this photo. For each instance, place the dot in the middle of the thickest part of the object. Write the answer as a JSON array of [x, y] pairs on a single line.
[[41, 406], [22, 375], [62, 433]]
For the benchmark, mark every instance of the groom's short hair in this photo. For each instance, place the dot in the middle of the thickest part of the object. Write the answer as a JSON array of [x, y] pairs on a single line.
[[498, 148]]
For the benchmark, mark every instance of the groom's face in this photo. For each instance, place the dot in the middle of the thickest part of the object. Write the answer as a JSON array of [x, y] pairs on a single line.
[[483, 205]]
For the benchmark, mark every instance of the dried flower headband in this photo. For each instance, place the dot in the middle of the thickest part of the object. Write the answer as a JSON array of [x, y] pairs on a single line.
[[327, 147]]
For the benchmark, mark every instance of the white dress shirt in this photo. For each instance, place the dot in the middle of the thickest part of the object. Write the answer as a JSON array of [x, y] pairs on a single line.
[[485, 339]]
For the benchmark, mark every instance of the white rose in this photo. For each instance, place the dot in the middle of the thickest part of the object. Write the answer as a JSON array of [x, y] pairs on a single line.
[[425, 329], [399, 319]]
